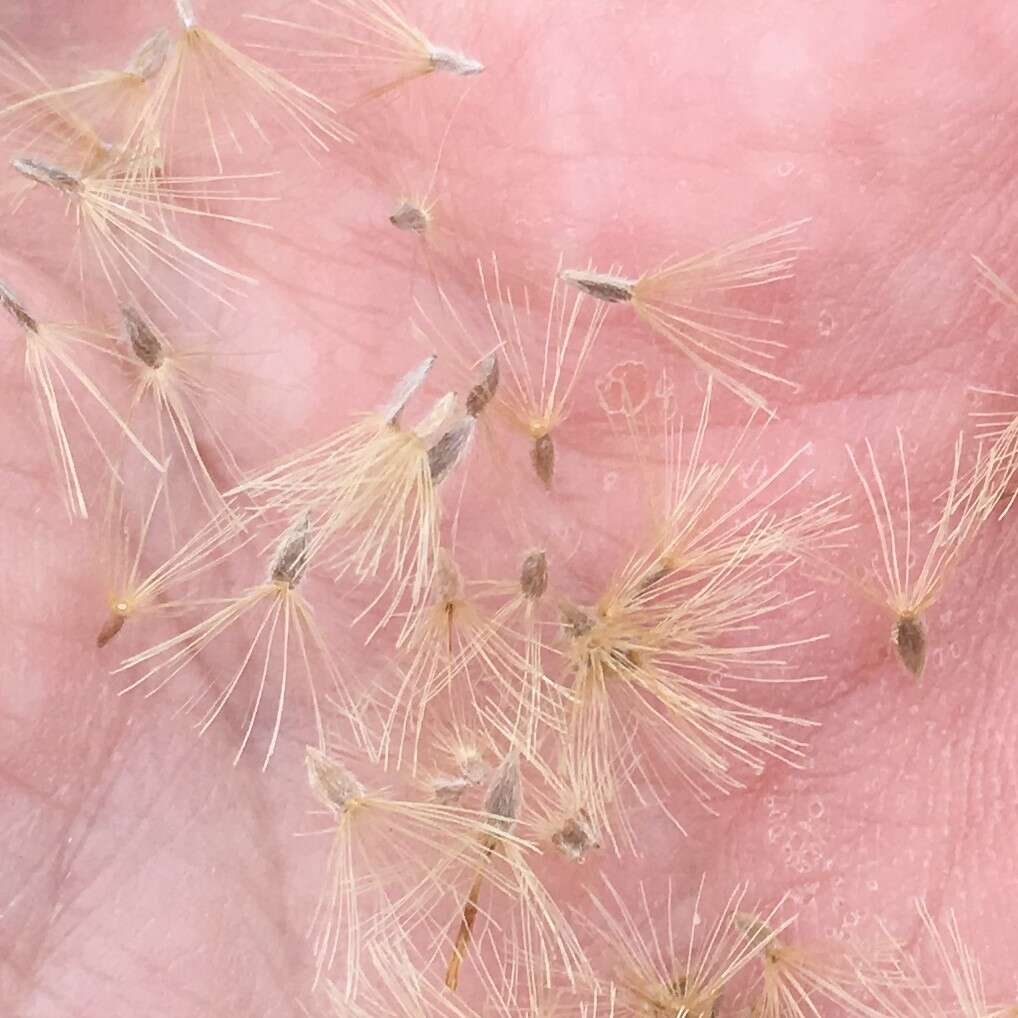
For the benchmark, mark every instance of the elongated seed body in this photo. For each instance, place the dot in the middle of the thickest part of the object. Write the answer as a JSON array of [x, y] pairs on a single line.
[[450, 61], [14, 306], [534, 575], [44, 173], [601, 285], [147, 346], [909, 638]]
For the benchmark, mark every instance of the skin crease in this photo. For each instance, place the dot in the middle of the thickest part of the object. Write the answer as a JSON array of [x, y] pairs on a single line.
[[141, 872]]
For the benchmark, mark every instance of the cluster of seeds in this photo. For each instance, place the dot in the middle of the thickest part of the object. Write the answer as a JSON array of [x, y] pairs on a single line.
[[510, 719]]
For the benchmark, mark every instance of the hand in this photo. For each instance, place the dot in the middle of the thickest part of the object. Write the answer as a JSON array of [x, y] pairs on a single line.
[[141, 872]]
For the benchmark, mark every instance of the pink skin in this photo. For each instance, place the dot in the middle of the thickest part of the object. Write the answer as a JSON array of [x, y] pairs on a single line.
[[142, 873]]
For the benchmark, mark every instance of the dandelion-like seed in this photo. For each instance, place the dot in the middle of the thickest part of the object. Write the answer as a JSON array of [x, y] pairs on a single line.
[[125, 221], [906, 593], [688, 301], [374, 43], [62, 387], [529, 922], [287, 637], [172, 385], [390, 863], [211, 89]]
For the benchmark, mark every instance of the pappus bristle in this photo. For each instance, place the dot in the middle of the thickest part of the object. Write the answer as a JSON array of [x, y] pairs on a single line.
[[287, 638], [958, 966], [133, 588], [501, 891], [904, 591], [689, 302], [997, 430], [699, 518], [389, 866], [395, 987], [127, 224], [51, 357], [803, 980], [905, 985], [371, 490], [662, 971], [373, 44]]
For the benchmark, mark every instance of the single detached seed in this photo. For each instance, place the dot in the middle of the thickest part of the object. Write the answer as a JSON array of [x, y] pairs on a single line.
[[601, 285], [910, 641], [147, 346]]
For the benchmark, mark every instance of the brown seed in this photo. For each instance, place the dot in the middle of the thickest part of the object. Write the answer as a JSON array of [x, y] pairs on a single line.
[[542, 458], [483, 392], [534, 575], [910, 641], [16, 308], [445, 453], [145, 343], [110, 628], [600, 285]]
